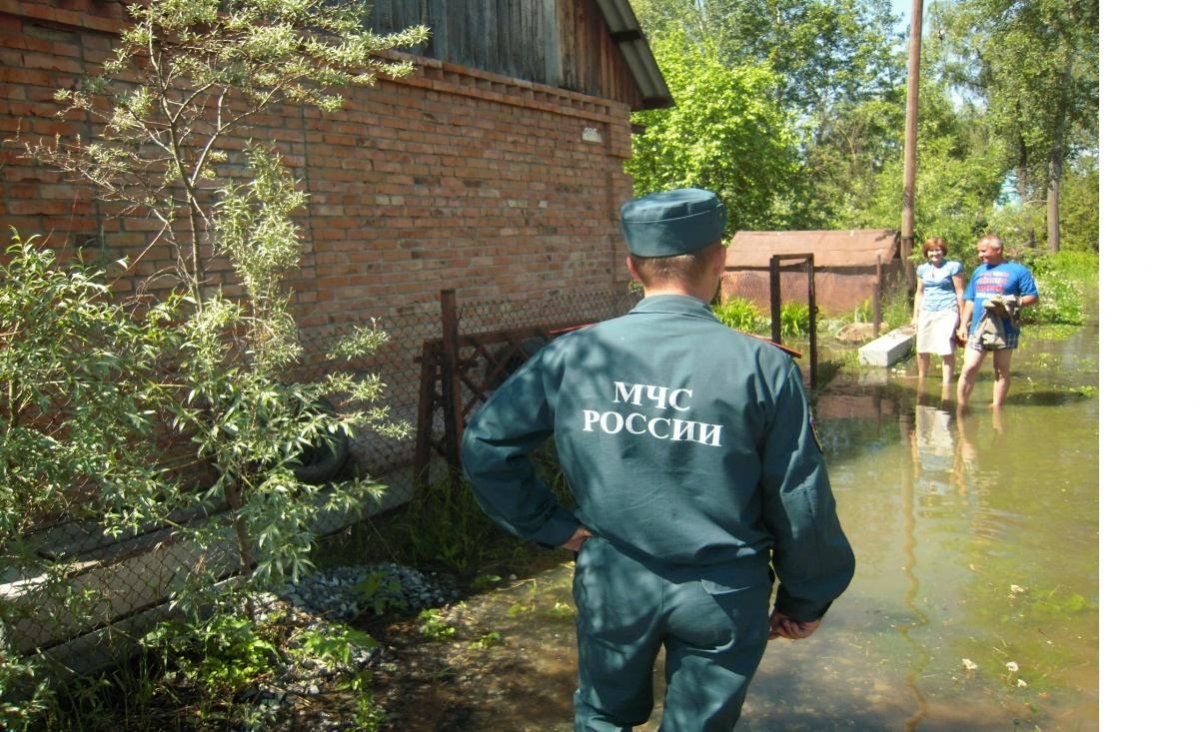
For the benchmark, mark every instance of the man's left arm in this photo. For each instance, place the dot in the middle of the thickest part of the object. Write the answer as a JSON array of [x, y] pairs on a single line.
[[1027, 292], [812, 556], [496, 450]]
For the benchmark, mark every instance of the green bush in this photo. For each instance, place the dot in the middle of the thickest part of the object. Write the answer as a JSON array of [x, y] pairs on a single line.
[[178, 66], [897, 309], [216, 658], [79, 413], [793, 319], [93, 385], [80, 397], [741, 314], [1062, 279], [209, 666], [1080, 267]]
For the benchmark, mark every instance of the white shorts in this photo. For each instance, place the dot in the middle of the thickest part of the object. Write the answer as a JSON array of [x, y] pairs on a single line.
[[935, 331]]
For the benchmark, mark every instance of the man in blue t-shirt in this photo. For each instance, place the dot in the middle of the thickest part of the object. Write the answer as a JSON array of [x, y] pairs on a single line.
[[991, 305]]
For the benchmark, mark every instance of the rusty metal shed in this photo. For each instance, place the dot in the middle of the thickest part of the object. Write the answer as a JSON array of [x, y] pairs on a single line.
[[847, 265]]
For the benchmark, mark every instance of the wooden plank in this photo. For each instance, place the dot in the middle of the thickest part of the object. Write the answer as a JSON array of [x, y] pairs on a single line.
[[552, 42], [440, 35], [488, 39], [538, 27], [142, 577], [100, 648], [86, 540], [385, 16], [560, 43], [467, 39], [108, 592]]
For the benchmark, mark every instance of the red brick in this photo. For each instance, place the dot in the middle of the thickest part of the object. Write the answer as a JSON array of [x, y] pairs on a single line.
[[53, 14], [410, 187]]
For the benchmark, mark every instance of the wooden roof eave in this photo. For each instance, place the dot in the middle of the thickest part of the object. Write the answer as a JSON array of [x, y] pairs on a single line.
[[626, 32]]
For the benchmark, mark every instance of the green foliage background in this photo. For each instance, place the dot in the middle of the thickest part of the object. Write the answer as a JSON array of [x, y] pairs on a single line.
[[793, 111], [725, 133]]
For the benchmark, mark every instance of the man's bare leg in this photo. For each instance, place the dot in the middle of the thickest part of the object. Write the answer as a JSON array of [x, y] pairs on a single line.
[[972, 360], [1002, 362]]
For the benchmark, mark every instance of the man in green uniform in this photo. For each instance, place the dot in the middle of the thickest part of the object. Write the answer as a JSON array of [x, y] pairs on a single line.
[[690, 453]]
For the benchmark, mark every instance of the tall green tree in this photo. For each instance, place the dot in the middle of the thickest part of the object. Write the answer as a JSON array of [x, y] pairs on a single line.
[[1035, 63], [835, 77], [844, 162], [960, 176], [827, 52], [727, 132], [1081, 206]]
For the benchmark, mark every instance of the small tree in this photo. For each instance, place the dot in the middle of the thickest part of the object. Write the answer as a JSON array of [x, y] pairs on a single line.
[[177, 103], [78, 398], [77, 410]]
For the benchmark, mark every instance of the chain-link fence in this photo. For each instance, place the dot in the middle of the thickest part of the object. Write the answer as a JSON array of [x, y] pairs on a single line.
[[550, 314], [396, 363], [80, 595]]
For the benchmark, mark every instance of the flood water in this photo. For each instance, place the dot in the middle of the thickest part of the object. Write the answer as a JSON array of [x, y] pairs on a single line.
[[975, 603]]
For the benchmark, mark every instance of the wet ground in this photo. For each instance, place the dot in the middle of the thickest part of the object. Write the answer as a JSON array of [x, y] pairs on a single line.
[[975, 604]]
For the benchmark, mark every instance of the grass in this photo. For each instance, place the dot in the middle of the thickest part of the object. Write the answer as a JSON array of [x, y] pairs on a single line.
[[741, 314]]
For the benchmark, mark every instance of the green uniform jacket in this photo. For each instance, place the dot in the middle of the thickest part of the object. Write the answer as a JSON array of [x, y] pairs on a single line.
[[683, 441]]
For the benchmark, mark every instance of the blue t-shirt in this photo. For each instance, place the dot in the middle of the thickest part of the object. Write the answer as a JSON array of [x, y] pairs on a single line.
[[988, 281], [937, 286]]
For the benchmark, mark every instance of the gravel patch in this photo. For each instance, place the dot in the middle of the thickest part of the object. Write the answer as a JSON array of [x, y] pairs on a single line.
[[343, 593], [335, 595]]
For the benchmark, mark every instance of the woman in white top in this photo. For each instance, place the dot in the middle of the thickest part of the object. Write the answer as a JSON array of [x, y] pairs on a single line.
[[936, 308]]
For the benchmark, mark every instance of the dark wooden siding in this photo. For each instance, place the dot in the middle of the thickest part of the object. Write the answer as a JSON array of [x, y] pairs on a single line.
[[560, 43]]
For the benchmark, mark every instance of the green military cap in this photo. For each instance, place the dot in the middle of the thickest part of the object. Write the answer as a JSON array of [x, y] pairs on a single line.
[[672, 222]]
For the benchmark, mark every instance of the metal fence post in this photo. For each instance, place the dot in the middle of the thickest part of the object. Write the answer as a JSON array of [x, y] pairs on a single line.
[[878, 293], [812, 322], [776, 304]]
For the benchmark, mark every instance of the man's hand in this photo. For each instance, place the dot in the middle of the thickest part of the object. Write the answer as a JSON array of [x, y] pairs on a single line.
[[575, 543], [784, 627]]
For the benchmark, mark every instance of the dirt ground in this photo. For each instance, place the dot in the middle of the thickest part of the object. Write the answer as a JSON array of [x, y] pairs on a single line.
[[500, 660]]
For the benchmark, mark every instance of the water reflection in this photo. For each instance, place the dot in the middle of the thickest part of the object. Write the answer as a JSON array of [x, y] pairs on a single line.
[[975, 605], [975, 602], [936, 451], [930, 438]]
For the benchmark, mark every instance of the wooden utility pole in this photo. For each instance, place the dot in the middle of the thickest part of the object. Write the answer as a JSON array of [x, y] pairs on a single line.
[[910, 141]]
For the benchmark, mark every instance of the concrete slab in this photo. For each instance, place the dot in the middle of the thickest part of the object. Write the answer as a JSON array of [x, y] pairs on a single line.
[[888, 348]]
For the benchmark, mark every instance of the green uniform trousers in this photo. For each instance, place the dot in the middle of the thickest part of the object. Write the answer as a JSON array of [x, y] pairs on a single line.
[[713, 621]]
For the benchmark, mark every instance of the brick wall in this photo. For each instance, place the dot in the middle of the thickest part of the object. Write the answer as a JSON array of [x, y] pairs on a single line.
[[450, 178]]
